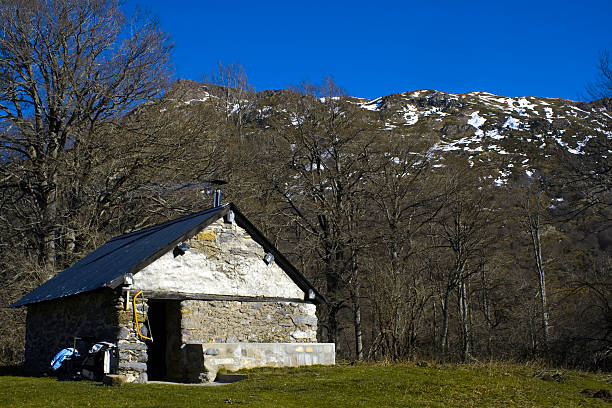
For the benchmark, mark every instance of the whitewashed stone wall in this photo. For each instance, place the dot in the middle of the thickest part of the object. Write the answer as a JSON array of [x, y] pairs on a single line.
[[223, 260]]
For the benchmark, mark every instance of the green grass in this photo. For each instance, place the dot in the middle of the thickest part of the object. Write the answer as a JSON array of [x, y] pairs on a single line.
[[400, 385]]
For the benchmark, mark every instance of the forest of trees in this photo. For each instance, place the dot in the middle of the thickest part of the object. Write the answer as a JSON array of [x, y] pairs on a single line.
[[418, 260]]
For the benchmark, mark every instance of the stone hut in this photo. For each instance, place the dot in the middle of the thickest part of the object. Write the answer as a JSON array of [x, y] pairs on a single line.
[[180, 300]]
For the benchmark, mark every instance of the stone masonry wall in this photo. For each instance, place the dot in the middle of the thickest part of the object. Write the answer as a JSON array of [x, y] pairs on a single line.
[[133, 354], [52, 326], [209, 326], [262, 322], [99, 315]]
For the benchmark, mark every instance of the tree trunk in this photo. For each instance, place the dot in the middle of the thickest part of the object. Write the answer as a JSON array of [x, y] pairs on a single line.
[[49, 213], [487, 312], [463, 313], [434, 323], [357, 325], [444, 338], [332, 323], [537, 252], [334, 306]]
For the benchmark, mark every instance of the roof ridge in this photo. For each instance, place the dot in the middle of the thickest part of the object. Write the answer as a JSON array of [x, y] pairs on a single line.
[[166, 223]]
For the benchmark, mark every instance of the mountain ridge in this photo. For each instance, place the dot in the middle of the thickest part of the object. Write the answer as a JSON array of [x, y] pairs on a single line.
[[519, 133]]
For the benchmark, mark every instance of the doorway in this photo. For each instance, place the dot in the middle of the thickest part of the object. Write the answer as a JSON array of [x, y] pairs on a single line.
[[164, 321]]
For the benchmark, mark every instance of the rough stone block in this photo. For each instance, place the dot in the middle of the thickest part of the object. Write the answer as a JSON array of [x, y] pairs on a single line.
[[210, 370], [239, 251], [134, 366], [124, 317], [299, 334], [123, 333], [132, 346], [206, 236], [115, 380], [211, 351], [308, 320], [226, 238]]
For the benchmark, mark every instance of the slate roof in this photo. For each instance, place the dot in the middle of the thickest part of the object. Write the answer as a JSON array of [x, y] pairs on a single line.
[[129, 253]]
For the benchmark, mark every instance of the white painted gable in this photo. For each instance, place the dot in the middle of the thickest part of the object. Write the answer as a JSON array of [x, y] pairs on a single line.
[[222, 260]]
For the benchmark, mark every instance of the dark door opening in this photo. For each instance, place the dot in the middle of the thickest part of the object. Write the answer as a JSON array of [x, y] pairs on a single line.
[[156, 349]]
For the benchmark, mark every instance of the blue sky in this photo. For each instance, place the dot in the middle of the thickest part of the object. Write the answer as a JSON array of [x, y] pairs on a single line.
[[375, 48]]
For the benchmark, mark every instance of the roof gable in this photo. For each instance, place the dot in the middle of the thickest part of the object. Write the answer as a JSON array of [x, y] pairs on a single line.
[[129, 253], [221, 260]]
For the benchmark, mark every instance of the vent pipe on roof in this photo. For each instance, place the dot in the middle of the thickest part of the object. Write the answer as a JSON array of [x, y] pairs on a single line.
[[217, 198]]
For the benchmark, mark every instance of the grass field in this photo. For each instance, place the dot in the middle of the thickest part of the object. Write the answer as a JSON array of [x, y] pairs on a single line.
[[400, 385]]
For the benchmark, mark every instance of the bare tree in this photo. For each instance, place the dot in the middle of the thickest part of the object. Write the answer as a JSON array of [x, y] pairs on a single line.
[[532, 222], [323, 163], [70, 70], [404, 200], [602, 87], [591, 290], [461, 234], [235, 93]]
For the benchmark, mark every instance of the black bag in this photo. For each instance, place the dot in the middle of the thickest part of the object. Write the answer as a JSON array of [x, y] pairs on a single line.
[[101, 359]]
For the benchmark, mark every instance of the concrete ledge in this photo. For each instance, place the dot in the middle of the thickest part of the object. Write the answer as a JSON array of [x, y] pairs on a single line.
[[235, 356]]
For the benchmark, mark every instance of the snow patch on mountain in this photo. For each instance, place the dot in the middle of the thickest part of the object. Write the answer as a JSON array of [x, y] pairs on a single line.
[[373, 105], [475, 120], [494, 134], [411, 115], [511, 123]]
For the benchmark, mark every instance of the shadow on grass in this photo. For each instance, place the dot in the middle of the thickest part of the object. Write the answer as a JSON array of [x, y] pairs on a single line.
[[12, 370], [17, 371]]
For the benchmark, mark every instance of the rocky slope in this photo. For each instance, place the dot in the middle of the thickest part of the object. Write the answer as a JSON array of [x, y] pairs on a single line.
[[517, 132], [519, 135]]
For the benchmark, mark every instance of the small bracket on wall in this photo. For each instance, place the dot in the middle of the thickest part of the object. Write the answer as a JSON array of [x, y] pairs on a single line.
[[311, 294], [128, 279], [229, 217], [180, 249], [269, 258]]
